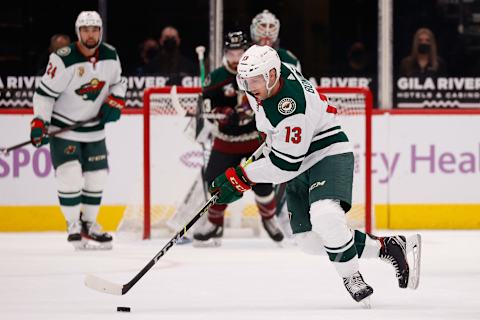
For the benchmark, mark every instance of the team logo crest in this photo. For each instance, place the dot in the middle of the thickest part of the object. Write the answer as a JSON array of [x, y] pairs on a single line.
[[287, 106], [90, 90], [63, 52], [70, 149], [229, 90]]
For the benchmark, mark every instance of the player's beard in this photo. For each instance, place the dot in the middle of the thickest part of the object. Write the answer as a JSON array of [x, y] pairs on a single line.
[[90, 44]]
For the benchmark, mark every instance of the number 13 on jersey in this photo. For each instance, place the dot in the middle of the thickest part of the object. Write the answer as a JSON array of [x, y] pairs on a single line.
[[293, 135]]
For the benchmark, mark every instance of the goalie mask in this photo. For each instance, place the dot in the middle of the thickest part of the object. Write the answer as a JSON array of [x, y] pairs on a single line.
[[234, 46], [255, 65], [264, 28], [88, 19]]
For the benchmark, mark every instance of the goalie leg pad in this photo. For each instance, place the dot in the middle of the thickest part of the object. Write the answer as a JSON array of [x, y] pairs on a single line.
[[69, 183], [329, 222], [92, 193]]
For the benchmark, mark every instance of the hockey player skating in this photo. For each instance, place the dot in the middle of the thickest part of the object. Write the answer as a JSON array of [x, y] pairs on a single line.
[[81, 81], [306, 147], [264, 31], [236, 138]]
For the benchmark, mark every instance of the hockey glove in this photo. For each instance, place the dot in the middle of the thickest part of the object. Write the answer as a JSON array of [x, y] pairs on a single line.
[[227, 114], [38, 132], [111, 109], [231, 185]]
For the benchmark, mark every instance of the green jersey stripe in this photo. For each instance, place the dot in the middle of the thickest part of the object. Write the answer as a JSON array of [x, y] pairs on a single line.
[[284, 165], [43, 93], [49, 89], [58, 123], [328, 130], [61, 117], [294, 158], [326, 142]]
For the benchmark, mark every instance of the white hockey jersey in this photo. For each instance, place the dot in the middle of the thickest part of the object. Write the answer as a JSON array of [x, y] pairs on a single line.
[[73, 88], [301, 129]]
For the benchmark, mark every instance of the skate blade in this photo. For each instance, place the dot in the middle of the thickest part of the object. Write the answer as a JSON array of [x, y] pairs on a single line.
[[86, 245], [366, 303], [211, 243], [414, 254]]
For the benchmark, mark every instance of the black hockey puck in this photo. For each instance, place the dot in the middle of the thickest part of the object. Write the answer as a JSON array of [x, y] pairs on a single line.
[[123, 309]]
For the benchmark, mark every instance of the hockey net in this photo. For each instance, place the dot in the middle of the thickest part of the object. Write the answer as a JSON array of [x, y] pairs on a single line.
[[173, 162]]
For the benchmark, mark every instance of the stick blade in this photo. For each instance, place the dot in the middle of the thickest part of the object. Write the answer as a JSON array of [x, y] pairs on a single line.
[[102, 285]]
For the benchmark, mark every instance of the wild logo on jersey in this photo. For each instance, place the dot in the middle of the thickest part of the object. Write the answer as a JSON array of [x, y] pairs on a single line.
[[287, 106], [90, 90]]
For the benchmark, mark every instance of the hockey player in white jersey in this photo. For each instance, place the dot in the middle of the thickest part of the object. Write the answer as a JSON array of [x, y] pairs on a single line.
[[82, 81], [306, 147]]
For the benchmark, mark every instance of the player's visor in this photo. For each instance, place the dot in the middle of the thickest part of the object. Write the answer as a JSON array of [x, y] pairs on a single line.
[[251, 83]]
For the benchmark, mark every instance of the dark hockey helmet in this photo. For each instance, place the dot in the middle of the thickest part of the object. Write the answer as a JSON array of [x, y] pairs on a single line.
[[236, 40]]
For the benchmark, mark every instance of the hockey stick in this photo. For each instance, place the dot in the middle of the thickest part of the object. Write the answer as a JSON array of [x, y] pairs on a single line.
[[105, 286], [200, 54], [5, 151]]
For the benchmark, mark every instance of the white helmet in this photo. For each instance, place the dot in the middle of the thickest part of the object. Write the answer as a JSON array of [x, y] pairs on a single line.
[[87, 19], [264, 25], [258, 60]]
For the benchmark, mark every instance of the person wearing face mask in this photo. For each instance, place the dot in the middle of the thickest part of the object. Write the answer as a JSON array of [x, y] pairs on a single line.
[[169, 62], [148, 51], [423, 60], [358, 60]]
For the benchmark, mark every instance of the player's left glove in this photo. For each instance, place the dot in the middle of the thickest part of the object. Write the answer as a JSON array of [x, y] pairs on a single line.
[[111, 109], [39, 132], [231, 185]]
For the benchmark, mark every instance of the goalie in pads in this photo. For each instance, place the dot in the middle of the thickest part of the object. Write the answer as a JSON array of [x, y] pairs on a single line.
[[307, 148], [82, 80]]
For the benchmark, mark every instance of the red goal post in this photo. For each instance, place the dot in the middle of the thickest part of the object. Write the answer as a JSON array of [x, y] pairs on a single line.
[[351, 103]]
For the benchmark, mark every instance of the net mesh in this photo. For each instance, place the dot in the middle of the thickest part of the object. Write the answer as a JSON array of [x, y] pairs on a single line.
[[176, 188]]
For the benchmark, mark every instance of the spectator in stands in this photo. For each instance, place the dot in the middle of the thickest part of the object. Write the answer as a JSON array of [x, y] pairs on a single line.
[[170, 62], [424, 60], [57, 41], [358, 61], [149, 49]]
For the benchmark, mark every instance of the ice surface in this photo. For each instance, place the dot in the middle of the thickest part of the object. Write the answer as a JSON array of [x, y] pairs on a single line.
[[41, 277]]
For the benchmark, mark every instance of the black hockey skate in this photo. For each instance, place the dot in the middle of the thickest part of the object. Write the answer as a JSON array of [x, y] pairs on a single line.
[[358, 289], [208, 235], [273, 229], [393, 250], [74, 236], [94, 238]]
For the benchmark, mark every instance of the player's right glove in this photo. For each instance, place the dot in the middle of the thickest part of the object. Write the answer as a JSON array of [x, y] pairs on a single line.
[[38, 132], [230, 185], [111, 109]]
